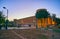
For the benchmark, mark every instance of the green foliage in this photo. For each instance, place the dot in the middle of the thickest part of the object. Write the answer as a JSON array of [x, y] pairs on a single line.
[[56, 30], [58, 21], [42, 13], [2, 18]]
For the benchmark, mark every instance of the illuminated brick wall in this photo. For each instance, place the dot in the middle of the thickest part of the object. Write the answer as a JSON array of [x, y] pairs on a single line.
[[44, 22]]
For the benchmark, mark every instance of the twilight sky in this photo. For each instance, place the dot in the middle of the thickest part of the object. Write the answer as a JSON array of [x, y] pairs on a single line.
[[24, 8]]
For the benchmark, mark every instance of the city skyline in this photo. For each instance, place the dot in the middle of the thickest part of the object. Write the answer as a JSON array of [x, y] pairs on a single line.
[[24, 8]]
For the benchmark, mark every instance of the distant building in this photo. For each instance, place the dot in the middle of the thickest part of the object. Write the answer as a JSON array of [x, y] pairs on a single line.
[[33, 22], [29, 21]]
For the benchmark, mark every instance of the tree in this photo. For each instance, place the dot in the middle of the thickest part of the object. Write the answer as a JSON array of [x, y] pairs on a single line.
[[54, 17], [2, 19], [42, 13], [58, 21]]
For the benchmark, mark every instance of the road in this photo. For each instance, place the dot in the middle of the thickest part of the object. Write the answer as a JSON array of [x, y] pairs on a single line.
[[18, 28]]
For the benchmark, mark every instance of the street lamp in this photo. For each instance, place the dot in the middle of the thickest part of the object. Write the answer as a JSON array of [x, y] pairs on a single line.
[[7, 11], [7, 17]]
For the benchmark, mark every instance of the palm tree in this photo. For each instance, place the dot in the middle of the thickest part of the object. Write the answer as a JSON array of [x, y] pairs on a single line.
[[42, 13]]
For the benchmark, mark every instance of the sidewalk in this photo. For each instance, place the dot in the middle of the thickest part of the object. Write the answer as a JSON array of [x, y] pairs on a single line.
[[18, 35], [8, 34]]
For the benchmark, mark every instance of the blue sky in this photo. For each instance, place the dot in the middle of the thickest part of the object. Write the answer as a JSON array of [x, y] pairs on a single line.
[[24, 8]]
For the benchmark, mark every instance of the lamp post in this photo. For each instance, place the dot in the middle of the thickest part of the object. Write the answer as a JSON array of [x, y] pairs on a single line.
[[7, 17]]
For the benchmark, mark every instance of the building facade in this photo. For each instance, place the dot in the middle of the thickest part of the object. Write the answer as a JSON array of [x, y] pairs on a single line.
[[29, 21], [45, 22], [33, 22]]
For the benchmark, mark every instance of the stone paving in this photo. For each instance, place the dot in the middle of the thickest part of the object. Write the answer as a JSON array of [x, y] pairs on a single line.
[[7, 34], [29, 33]]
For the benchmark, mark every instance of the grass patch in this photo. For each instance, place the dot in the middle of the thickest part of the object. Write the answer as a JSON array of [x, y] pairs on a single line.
[[56, 30]]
